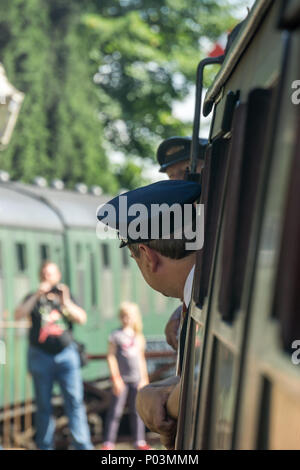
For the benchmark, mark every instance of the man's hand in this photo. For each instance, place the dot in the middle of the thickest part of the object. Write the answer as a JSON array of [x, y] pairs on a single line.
[[44, 288], [151, 405], [171, 329], [64, 294]]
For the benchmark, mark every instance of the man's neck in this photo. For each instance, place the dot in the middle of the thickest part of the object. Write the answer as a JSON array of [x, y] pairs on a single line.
[[180, 270]]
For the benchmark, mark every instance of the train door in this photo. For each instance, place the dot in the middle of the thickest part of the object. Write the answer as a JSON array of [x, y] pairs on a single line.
[[218, 322], [268, 414]]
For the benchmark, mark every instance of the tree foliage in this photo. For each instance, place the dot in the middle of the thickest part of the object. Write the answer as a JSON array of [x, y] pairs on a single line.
[[146, 53], [100, 75]]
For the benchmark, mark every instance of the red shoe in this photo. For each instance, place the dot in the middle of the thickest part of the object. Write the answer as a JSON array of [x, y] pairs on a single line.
[[143, 447], [107, 447]]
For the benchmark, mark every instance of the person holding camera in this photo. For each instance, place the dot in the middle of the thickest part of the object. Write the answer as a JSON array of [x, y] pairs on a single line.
[[53, 356]]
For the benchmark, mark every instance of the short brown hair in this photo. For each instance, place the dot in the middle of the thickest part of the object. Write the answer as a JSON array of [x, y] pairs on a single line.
[[170, 248]]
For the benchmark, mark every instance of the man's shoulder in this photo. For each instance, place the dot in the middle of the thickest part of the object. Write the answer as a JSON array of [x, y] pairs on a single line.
[[187, 292]]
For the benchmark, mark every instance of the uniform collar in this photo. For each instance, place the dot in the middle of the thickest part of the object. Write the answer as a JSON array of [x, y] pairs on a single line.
[[187, 291]]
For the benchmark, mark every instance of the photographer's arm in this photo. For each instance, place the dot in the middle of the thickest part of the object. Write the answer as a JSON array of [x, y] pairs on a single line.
[[72, 311], [26, 307]]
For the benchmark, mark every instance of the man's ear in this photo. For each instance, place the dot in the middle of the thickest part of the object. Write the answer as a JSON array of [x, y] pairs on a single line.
[[150, 256]]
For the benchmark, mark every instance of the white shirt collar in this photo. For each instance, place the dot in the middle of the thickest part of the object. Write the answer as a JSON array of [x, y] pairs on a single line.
[[187, 291]]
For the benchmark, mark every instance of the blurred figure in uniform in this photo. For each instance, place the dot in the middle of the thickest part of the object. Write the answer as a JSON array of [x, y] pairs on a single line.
[[53, 356], [128, 369], [173, 155]]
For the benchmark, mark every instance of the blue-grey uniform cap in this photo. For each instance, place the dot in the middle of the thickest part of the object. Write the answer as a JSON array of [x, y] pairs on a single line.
[[120, 211], [177, 149]]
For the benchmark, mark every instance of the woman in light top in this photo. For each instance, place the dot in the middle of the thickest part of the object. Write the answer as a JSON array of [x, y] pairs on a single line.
[[127, 364]]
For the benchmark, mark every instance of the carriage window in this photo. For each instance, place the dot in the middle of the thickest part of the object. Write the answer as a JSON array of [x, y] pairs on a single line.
[[44, 252], [107, 285], [192, 383], [21, 254], [286, 302], [78, 250], [213, 182], [125, 258], [243, 176], [80, 287], [104, 248], [93, 280], [21, 281], [223, 397], [80, 275], [58, 257]]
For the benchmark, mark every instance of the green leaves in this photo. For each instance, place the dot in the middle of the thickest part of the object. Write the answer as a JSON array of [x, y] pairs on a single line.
[[100, 75], [146, 54]]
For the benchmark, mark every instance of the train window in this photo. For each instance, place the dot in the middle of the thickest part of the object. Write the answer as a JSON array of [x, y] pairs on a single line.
[[78, 253], [286, 304], [44, 252], [21, 257], [187, 421], [80, 275], [107, 284], [213, 181], [58, 257], [244, 170], [80, 278], [125, 258], [104, 248], [195, 382], [221, 411], [93, 280]]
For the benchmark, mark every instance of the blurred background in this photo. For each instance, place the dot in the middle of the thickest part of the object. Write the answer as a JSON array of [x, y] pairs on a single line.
[[104, 82]]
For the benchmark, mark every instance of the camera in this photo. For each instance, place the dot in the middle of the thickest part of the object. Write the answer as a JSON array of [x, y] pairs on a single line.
[[55, 290]]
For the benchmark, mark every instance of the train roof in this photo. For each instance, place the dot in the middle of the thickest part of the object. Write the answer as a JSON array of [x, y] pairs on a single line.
[[45, 208], [23, 211], [240, 43]]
